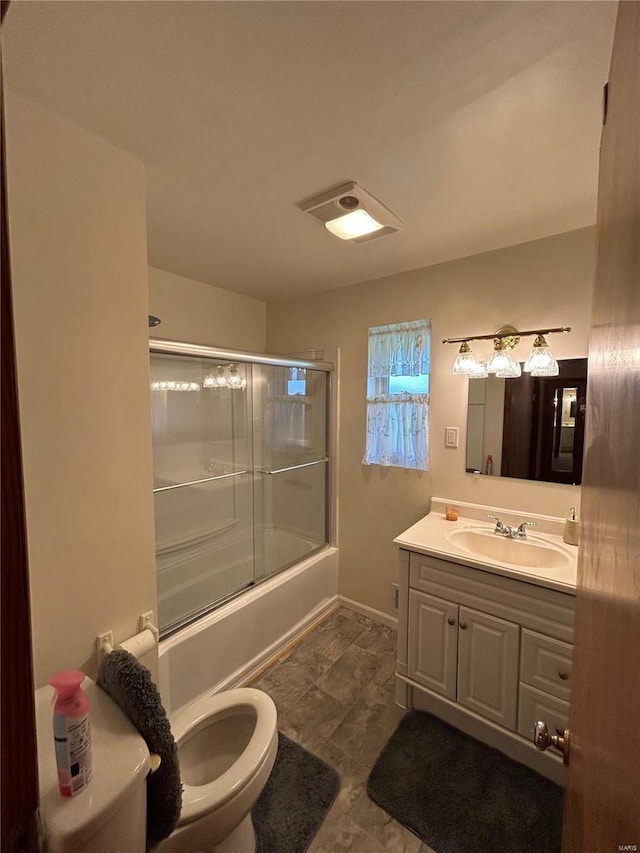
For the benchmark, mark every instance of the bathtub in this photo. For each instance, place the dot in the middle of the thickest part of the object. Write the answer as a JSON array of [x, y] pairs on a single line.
[[221, 563], [221, 649]]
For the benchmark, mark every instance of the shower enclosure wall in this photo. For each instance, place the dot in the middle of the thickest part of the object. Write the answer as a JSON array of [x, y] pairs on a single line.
[[240, 461]]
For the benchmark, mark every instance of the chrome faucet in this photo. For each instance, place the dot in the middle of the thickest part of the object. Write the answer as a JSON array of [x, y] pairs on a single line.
[[519, 532]]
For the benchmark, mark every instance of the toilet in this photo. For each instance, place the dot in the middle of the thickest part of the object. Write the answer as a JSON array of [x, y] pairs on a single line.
[[227, 746]]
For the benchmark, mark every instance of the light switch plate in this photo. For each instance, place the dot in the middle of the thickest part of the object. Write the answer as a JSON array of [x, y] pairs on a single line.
[[451, 437]]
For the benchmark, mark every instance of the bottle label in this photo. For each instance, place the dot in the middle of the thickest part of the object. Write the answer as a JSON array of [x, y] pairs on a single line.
[[72, 737]]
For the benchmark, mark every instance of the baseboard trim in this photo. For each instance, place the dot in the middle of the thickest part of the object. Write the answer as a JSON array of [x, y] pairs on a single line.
[[371, 612], [258, 666], [287, 644]]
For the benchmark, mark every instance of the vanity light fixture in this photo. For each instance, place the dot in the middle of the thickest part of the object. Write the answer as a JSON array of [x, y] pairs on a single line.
[[479, 371], [500, 359], [540, 361], [466, 362], [235, 381], [170, 385], [351, 213], [512, 371], [226, 376]]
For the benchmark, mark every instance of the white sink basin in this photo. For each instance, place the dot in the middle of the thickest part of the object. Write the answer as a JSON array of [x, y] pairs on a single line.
[[529, 553]]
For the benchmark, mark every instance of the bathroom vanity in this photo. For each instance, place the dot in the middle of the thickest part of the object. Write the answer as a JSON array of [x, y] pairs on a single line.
[[485, 627]]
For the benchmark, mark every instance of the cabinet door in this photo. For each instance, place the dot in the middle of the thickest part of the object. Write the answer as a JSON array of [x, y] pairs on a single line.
[[537, 705], [545, 663], [488, 666], [433, 643]]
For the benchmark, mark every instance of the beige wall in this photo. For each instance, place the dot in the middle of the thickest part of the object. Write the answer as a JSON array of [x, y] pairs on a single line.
[[543, 283], [79, 266], [200, 313]]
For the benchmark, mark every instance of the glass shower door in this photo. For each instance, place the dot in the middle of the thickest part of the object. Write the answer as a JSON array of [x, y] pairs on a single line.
[[202, 449], [290, 451]]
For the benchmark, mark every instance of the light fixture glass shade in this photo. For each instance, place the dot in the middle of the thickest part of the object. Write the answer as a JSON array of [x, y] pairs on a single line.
[[221, 379], [465, 362], [171, 385], [500, 360], [479, 371], [353, 224], [234, 379], [552, 370], [511, 372], [541, 361]]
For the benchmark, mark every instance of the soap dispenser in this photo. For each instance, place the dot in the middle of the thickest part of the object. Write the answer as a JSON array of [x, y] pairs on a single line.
[[571, 533]]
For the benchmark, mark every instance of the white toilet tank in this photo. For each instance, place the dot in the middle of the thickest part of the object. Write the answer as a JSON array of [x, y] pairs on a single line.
[[110, 815]]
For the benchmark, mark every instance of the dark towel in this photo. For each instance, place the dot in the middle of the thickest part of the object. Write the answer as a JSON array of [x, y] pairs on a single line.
[[129, 684]]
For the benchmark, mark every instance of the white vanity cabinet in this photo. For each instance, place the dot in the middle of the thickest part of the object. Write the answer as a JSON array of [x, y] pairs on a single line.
[[488, 666], [465, 655], [545, 673], [486, 652], [432, 654]]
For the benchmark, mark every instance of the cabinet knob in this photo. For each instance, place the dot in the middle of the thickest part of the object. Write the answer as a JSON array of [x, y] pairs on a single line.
[[563, 675], [463, 626], [451, 620]]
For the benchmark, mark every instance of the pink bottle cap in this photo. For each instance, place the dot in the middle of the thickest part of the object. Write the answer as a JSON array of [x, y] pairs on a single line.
[[67, 683]]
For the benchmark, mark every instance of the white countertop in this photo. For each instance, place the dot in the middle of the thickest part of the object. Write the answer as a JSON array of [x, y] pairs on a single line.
[[432, 535]]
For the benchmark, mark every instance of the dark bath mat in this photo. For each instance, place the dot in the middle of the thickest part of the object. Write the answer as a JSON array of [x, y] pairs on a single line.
[[295, 800], [462, 796]]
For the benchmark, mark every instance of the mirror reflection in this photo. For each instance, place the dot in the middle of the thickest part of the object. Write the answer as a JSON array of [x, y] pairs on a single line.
[[531, 428]]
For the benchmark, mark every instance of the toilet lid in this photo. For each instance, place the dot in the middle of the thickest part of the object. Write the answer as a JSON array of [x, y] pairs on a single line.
[[129, 684]]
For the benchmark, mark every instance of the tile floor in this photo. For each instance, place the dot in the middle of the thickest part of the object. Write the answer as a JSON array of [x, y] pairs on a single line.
[[335, 696]]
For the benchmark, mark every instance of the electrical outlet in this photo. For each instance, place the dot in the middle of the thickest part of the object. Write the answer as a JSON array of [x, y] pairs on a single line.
[[395, 596], [451, 437]]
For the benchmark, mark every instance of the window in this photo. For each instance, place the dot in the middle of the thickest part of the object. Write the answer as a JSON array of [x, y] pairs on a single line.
[[398, 395], [297, 383]]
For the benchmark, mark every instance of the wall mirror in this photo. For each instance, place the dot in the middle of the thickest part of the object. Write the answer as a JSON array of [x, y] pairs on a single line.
[[531, 428]]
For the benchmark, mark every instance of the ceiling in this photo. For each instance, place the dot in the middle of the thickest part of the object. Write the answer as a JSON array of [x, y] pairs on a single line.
[[477, 123]]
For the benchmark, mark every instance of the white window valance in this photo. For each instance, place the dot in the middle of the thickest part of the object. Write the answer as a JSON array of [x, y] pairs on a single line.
[[397, 409]]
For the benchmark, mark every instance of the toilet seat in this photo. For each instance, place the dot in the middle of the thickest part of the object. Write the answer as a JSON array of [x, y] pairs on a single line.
[[198, 800]]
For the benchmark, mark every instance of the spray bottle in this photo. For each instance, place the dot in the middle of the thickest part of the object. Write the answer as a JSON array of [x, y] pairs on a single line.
[[71, 732]]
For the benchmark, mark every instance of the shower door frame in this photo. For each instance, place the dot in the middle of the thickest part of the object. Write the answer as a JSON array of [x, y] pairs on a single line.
[[163, 346]]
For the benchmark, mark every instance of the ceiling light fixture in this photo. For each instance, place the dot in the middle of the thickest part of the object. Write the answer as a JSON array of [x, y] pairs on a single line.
[[352, 225], [351, 213], [540, 361]]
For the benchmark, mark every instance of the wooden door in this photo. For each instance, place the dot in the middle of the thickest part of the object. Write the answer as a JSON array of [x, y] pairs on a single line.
[[19, 769], [433, 642], [556, 466], [488, 650], [602, 803]]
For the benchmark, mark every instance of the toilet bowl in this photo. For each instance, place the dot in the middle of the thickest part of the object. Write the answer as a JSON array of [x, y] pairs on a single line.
[[227, 745]]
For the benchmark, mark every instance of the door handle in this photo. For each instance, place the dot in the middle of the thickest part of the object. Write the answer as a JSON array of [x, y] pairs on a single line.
[[543, 739]]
